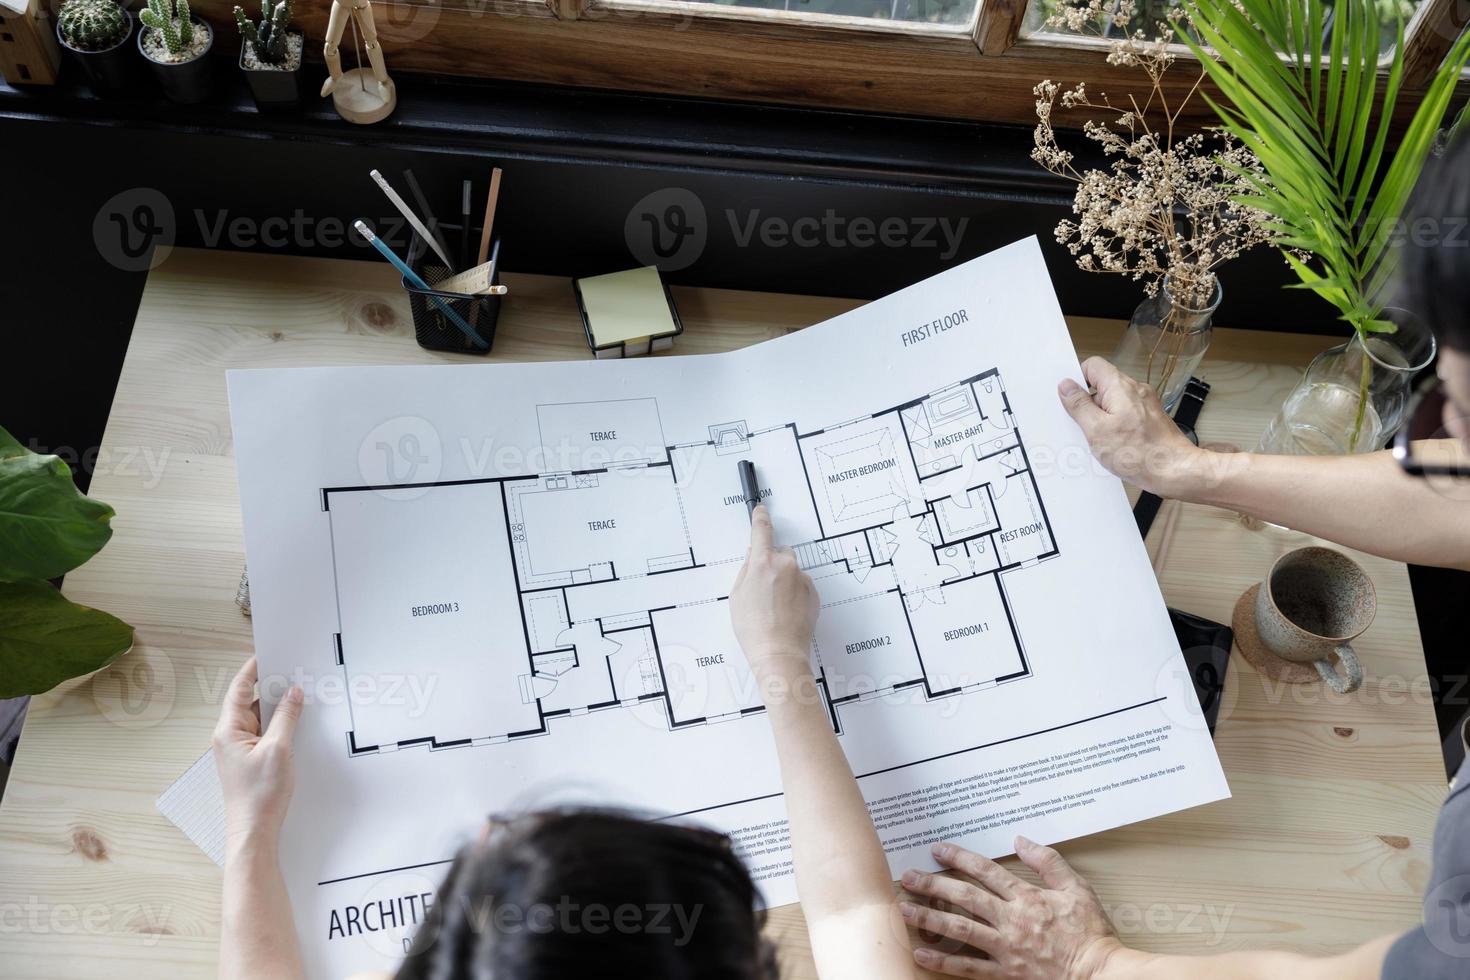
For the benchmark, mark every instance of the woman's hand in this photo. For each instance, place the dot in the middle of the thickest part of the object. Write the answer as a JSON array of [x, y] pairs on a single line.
[[257, 935], [773, 604], [1130, 433], [255, 770], [1030, 933]]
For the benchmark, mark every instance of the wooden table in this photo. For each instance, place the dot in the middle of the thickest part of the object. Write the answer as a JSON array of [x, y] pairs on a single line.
[[1324, 844]]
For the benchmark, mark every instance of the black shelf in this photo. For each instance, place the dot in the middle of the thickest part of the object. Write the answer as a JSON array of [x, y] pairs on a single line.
[[449, 115]]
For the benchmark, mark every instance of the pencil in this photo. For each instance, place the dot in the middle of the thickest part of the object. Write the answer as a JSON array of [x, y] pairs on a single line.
[[466, 190], [490, 201], [409, 216], [440, 245], [495, 263]]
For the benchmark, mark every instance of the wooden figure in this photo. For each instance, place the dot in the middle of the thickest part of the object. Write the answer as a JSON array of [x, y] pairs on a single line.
[[360, 95]]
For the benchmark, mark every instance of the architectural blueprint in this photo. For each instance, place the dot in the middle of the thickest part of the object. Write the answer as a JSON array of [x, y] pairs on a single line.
[[505, 587], [908, 520]]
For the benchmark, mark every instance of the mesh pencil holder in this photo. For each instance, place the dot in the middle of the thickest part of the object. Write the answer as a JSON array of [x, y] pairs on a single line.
[[450, 321]]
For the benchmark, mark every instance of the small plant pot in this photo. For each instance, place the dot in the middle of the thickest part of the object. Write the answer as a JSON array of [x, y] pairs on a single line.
[[183, 81], [274, 88], [111, 69]]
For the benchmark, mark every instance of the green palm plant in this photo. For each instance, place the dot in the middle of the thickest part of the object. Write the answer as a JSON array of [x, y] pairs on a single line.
[[1312, 115]]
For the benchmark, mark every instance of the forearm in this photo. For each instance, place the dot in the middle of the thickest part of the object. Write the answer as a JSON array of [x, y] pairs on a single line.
[[1364, 502], [257, 930], [842, 873], [1363, 963]]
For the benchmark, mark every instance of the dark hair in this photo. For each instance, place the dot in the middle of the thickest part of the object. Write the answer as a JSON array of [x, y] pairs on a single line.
[[1435, 275], [569, 893]]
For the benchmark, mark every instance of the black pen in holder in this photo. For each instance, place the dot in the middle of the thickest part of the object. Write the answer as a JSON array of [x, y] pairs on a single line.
[[434, 311]]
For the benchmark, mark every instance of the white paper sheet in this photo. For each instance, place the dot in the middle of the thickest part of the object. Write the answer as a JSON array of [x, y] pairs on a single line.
[[502, 586], [193, 803]]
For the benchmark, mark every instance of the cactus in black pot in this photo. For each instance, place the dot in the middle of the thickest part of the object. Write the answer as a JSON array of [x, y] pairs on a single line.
[[94, 32], [268, 38], [93, 25], [271, 54], [173, 21], [176, 44]]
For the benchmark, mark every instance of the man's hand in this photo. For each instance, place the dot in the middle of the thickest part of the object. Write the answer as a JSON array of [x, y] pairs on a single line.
[[1129, 432], [255, 770], [773, 604], [1056, 932]]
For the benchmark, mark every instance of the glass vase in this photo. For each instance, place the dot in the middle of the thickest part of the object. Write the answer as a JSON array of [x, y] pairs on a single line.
[[1325, 414], [1166, 340]]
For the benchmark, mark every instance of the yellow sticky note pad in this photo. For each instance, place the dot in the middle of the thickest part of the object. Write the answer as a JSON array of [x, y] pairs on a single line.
[[626, 307]]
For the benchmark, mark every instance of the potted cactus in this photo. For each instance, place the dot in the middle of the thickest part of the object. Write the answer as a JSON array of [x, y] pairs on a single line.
[[96, 34], [177, 44], [271, 54]]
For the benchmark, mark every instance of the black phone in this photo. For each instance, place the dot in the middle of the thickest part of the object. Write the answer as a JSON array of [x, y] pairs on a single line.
[[1206, 647]]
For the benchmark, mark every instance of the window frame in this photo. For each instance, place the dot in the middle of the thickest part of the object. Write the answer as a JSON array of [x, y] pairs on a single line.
[[683, 48], [1428, 37], [794, 22]]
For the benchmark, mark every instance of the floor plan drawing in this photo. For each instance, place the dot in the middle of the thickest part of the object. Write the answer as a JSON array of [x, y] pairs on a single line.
[[603, 588], [503, 587]]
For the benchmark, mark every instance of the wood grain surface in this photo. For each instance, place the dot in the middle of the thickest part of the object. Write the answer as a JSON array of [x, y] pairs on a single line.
[[1324, 844]]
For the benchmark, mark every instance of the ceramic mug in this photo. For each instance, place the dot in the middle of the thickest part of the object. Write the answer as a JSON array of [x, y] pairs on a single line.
[[1312, 605]]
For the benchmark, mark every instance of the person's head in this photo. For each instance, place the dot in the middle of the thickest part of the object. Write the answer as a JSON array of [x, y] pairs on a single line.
[[575, 893], [1436, 272]]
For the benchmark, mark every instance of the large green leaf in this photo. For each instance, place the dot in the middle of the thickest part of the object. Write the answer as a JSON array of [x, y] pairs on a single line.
[[8, 445], [47, 526], [1403, 171], [46, 639], [1321, 135]]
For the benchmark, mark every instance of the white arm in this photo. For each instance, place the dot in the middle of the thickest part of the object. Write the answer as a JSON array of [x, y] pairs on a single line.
[[257, 931], [1365, 502], [842, 874]]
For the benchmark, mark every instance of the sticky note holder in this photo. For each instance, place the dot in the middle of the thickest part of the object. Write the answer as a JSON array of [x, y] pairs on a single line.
[[634, 347]]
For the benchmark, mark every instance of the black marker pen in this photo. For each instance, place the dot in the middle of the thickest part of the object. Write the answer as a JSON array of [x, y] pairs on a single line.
[[749, 486]]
